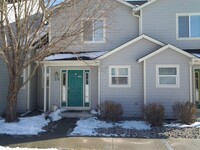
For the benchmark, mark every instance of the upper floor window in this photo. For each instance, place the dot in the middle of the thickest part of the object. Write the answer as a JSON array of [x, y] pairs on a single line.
[[93, 31], [188, 26], [119, 76], [167, 76]]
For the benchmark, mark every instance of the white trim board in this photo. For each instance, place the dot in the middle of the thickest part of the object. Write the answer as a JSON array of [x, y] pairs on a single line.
[[129, 43], [164, 48], [72, 63]]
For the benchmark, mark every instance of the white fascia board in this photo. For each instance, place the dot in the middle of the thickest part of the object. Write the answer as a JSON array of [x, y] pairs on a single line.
[[71, 63], [129, 43], [164, 48], [144, 5]]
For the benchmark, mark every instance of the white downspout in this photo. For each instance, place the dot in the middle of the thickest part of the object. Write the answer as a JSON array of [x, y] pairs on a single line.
[[140, 21]]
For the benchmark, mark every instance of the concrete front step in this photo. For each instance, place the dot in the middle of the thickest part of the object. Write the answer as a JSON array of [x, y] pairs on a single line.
[[76, 114]]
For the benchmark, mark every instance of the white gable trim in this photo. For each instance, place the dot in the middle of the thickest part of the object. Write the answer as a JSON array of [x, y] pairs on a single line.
[[164, 48], [144, 5], [129, 43]]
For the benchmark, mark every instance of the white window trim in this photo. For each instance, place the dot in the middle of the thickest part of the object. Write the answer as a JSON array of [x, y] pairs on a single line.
[[104, 32], [177, 85], [177, 26], [129, 75]]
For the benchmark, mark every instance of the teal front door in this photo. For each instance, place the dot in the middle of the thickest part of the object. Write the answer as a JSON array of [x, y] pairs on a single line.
[[75, 88]]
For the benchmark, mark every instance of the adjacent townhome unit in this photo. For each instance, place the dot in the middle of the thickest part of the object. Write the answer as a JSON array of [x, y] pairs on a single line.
[[143, 52]]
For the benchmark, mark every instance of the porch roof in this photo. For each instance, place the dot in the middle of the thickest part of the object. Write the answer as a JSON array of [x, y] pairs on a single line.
[[75, 56]]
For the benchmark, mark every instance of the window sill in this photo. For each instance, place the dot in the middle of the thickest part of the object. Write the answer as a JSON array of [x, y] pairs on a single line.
[[167, 86], [187, 39], [119, 86]]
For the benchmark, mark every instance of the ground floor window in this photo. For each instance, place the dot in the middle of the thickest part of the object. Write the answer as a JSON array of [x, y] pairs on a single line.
[[119, 76], [167, 76]]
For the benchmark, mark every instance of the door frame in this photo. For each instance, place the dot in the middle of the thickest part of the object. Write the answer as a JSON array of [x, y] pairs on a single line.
[[193, 86], [75, 108]]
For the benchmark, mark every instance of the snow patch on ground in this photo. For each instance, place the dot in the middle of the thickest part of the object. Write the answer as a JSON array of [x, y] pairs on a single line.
[[93, 112], [18, 148], [26, 126], [55, 116], [179, 125], [138, 125], [88, 126]]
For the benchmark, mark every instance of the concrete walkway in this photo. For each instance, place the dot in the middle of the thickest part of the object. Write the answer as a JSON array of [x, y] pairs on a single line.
[[83, 143]]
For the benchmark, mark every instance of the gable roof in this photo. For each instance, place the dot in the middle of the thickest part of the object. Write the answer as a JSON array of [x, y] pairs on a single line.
[[163, 49], [144, 5], [131, 42]]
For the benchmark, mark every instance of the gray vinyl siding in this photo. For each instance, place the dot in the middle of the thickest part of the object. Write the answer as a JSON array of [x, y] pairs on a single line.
[[40, 89], [159, 21], [131, 98], [3, 86], [168, 96], [33, 89], [4, 81], [121, 26], [55, 85]]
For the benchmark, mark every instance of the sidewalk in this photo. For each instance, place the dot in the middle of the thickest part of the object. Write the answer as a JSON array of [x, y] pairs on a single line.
[[83, 143]]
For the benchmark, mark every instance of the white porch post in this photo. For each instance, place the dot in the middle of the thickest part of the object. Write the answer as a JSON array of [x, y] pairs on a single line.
[[99, 88], [145, 80], [45, 88], [191, 95]]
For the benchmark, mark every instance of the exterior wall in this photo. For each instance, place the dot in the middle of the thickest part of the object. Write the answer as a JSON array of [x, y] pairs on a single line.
[[33, 89], [121, 27], [55, 85], [40, 89], [159, 21], [3, 86], [131, 98], [4, 81], [168, 96]]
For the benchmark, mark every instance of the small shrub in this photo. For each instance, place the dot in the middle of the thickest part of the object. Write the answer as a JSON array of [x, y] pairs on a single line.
[[111, 111], [154, 114], [185, 112]]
